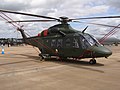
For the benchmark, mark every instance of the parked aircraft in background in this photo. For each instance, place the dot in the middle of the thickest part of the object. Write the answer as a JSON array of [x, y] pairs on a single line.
[[110, 41]]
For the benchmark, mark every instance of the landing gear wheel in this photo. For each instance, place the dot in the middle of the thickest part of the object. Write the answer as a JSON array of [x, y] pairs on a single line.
[[92, 61], [41, 57]]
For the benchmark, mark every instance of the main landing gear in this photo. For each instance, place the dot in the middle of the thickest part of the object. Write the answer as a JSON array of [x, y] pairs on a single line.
[[41, 57], [92, 61]]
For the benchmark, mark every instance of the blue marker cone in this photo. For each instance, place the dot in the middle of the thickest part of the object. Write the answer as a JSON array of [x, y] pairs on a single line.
[[3, 51]]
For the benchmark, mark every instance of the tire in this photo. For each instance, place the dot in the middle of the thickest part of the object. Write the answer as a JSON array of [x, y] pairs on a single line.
[[92, 61]]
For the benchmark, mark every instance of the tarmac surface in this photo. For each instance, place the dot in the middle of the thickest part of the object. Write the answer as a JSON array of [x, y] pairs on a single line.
[[21, 69]]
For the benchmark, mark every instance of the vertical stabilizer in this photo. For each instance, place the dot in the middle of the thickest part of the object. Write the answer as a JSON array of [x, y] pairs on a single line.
[[23, 34]]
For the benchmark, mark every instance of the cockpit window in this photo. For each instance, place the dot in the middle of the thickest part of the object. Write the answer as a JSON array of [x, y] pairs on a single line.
[[92, 41]]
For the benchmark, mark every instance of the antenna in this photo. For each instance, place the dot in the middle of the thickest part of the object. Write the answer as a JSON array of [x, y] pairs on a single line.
[[84, 29]]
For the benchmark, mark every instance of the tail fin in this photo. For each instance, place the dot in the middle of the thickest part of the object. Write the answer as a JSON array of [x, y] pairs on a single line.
[[30, 40], [23, 34]]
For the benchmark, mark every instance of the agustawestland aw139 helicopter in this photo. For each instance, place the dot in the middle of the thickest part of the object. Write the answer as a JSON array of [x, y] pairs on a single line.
[[63, 41]]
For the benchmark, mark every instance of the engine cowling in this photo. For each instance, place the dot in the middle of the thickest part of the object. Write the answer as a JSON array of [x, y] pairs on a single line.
[[44, 33]]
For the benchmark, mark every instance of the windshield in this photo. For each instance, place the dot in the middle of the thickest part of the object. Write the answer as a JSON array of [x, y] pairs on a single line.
[[91, 40]]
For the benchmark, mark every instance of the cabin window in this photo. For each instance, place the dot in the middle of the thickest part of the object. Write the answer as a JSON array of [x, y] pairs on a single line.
[[75, 43], [68, 43], [53, 43], [59, 43]]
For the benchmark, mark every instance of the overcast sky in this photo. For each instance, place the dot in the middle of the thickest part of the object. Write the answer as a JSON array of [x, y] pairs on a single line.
[[57, 8]]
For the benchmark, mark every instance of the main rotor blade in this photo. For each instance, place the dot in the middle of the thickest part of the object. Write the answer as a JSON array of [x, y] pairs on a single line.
[[31, 21], [34, 15], [105, 17], [98, 24]]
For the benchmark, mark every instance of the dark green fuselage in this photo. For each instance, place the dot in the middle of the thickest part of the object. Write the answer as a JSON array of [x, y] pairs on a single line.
[[64, 41]]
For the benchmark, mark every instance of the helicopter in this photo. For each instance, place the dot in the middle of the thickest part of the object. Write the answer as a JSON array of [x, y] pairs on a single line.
[[63, 41]]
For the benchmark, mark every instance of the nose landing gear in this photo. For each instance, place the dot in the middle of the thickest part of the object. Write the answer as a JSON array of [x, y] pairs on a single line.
[[92, 61]]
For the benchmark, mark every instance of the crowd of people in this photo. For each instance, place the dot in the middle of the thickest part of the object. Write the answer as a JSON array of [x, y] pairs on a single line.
[[11, 42]]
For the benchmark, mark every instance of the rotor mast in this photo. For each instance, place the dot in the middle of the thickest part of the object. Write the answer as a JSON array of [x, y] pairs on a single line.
[[64, 20]]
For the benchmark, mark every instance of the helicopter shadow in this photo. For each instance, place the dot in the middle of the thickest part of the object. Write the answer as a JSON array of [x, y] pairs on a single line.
[[77, 64], [69, 62], [66, 61]]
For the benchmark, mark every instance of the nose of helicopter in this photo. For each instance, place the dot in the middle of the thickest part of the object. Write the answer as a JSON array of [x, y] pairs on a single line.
[[101, 51]]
